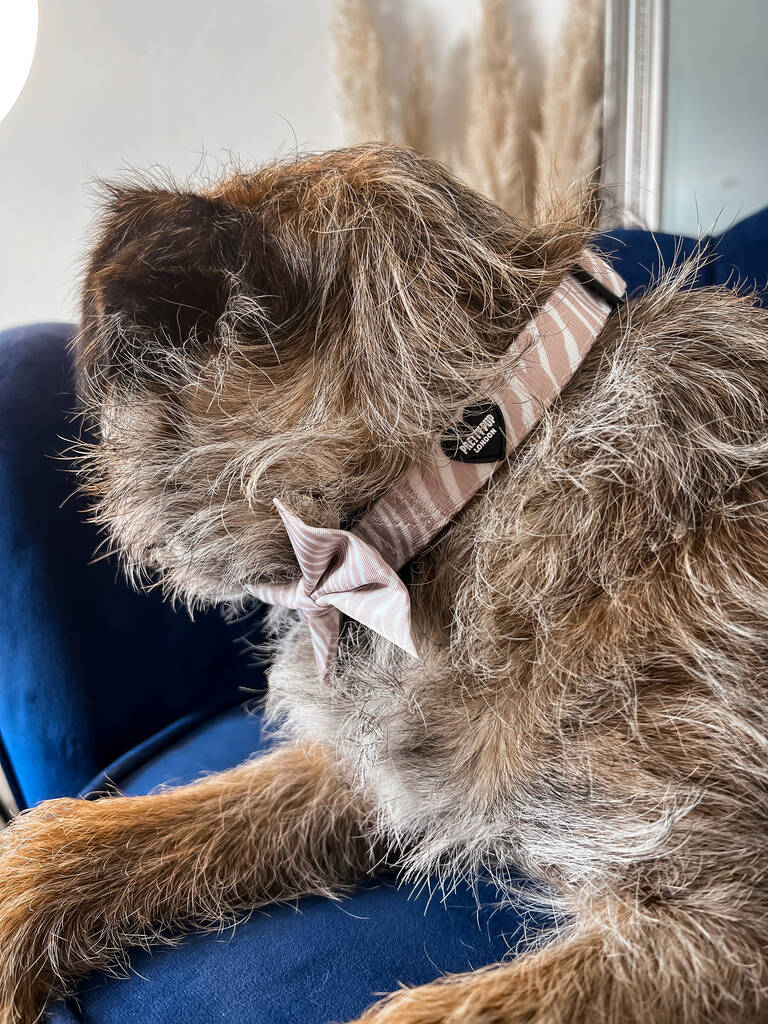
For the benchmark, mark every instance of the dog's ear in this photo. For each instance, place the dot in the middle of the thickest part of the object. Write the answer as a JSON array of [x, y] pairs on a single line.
[[163, 264]]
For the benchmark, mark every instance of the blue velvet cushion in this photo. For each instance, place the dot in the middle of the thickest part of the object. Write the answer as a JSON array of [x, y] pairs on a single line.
[[318, 962], [739, 256]]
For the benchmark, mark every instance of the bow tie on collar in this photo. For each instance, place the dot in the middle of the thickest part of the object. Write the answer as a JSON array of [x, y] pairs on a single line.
[[341, 574], [355, 572]]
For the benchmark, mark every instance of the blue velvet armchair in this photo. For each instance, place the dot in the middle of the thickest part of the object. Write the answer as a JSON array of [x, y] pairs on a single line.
[[101, 686]]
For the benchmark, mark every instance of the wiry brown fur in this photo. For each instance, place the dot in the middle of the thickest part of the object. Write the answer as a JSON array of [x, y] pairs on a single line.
[[591, 705], [84, 880]]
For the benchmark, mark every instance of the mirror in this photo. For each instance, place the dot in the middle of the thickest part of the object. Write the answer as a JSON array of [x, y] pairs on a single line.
[[685, 140]]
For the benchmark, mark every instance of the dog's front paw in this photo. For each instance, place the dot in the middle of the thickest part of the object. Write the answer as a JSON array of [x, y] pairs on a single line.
[[408, 1006], [449, 1001], [42, 858], [487, 996]]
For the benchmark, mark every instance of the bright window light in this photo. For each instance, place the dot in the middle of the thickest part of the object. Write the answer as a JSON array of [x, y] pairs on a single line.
[[18, 35]]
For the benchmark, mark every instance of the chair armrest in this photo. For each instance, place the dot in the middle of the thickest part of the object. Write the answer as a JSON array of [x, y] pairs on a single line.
[[88, 668], [738, 256]]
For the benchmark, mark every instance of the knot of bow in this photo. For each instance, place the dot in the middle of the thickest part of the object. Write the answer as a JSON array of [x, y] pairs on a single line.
[[340, 574]]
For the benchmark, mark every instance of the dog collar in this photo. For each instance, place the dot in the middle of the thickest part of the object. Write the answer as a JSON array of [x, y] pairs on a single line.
[[355, 572]]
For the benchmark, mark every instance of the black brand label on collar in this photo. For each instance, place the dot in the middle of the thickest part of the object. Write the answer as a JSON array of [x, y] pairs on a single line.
[[479, 437]]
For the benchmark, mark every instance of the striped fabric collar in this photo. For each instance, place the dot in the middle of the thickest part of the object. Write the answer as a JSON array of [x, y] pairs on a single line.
[[355, 572]]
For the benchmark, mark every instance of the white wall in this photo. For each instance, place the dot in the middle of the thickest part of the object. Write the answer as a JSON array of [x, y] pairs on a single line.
[[716, 139], [120, 83], [143, 82]]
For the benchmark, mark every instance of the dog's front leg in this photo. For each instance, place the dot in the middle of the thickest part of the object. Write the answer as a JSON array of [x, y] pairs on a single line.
[[82, 881], [664, 969], [553, 986]]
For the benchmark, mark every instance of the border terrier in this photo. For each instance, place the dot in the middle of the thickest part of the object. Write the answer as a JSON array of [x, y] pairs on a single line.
[[563, 674]]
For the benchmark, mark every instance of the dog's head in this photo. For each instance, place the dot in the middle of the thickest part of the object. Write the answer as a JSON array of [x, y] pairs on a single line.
[[301, 331]]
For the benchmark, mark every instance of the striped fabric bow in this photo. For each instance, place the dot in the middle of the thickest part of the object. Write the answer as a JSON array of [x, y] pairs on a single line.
[[355, 573], [340, 574]]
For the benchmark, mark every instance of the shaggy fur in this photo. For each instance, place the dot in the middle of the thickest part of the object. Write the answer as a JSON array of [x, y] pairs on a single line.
[[590, 706]]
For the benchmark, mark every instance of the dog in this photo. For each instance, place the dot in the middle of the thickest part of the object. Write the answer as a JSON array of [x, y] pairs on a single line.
[[588, 704]]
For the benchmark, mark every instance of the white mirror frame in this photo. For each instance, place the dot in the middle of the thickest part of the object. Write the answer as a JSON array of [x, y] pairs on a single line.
[[633, 111], [8, 807]]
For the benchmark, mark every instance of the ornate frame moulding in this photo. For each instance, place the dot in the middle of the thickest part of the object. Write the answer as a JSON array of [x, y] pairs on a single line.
[[633, 111]]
